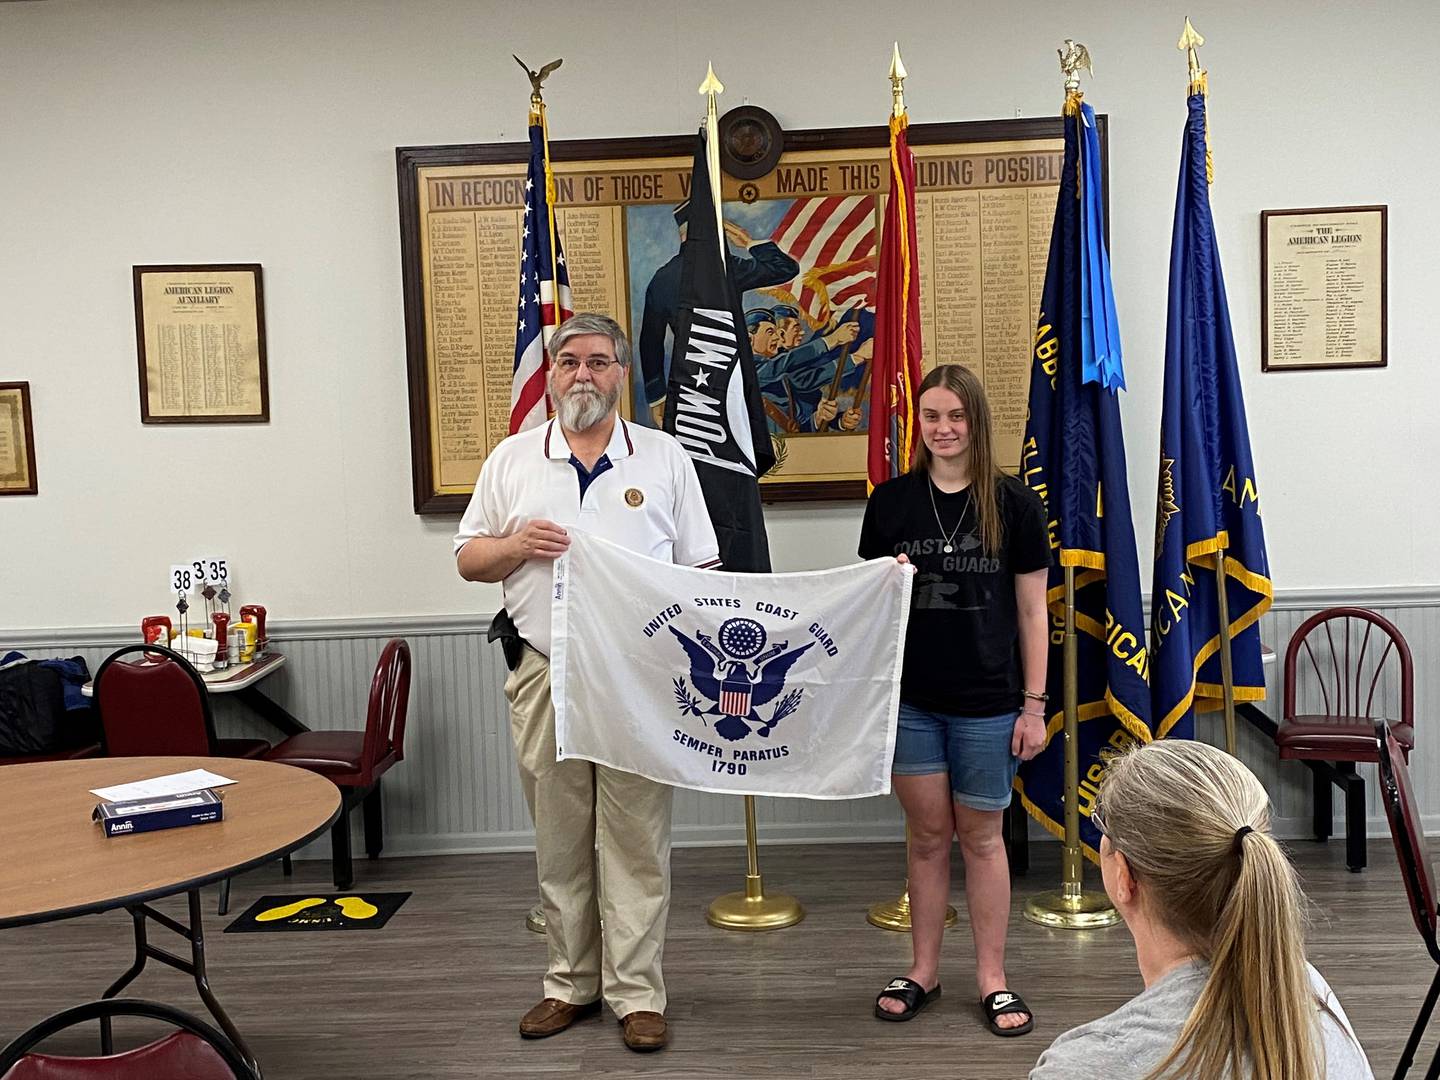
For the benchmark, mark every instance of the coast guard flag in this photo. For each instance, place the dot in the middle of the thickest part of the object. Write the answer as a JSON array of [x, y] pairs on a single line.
[[712, 403], [544, 290], [748, 684], [1208, 498], [1074, 458]]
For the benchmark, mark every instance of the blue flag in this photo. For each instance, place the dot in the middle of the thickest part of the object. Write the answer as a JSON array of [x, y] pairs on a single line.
[[1209, 498], [1074, 458]]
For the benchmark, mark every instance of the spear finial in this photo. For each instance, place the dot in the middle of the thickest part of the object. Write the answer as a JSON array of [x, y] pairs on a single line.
[[1190, 40], [898, 75]]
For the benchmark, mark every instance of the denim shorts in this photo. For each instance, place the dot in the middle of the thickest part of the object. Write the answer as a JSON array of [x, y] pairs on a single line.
[[974, 750]]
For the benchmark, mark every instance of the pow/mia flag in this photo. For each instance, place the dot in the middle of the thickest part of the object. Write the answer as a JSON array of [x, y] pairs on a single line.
[[748, 684], [712, 404]]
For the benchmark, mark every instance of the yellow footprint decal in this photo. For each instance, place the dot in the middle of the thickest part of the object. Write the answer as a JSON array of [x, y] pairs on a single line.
[[352, 907], [287, 910]]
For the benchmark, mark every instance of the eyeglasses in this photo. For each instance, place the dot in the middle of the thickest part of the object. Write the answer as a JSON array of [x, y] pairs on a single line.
[[598, 365], [1098, 821]]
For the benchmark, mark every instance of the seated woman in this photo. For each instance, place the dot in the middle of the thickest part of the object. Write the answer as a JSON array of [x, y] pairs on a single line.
[[1218, 920]]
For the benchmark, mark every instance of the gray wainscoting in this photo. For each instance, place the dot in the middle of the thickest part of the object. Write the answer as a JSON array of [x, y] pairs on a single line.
[[457, 792]]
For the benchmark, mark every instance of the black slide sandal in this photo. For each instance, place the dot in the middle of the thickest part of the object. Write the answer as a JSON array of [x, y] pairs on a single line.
[[909, 993], [1003, 1003]]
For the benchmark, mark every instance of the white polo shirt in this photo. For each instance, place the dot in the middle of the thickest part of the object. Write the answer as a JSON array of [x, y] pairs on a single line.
[[649, 501]]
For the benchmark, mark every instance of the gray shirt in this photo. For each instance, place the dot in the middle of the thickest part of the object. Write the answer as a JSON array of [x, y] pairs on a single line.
[[1136, 1037]]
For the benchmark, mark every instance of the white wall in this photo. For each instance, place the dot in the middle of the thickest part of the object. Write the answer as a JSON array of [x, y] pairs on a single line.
[[263, 130]]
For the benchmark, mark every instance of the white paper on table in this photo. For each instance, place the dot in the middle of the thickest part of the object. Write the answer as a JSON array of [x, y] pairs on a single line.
[[169, 784]]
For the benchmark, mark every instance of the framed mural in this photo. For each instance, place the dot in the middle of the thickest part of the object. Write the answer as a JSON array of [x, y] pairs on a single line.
[[804, 241]]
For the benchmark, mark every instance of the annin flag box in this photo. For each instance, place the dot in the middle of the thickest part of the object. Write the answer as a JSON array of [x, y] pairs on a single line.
[[159, 812]]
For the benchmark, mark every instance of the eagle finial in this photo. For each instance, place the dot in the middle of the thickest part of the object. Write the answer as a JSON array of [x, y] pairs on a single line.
[[537, 78], [1074, 57]]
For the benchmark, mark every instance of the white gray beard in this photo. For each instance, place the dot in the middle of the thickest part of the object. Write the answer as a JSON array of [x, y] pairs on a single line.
[[580, 410]]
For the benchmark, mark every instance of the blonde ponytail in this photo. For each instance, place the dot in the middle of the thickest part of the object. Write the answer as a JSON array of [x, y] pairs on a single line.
[[1193, 824]]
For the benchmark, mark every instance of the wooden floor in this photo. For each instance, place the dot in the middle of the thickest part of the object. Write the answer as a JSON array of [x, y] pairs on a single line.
[[437, 993]]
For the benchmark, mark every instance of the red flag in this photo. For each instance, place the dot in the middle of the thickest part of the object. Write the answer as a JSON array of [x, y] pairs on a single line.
[[895, 369]]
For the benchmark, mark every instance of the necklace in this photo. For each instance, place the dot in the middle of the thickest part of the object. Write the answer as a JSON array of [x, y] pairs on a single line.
[[950, 538]]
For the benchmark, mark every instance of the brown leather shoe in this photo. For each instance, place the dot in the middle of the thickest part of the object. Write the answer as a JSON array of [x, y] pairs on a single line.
[[645, 1031], [553, 1016]]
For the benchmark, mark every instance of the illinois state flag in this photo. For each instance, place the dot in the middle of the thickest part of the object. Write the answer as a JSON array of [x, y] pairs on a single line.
[[1209, 499], [748, 684], [895, 369]]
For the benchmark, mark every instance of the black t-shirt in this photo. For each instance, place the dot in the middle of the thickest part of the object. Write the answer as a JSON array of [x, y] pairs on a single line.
[[962, 648]]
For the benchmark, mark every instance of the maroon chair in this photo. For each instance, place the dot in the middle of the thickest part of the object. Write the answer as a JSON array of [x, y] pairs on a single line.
[[1356, 669], [158, 706], [1409, 837], [355, 760], [197, 1051]]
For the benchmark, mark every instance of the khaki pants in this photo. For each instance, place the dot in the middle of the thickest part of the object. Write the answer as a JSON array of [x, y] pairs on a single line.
[[578, 806]]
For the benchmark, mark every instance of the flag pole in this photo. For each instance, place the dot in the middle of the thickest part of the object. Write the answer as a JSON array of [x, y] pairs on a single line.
[[535, 917], [751, 909], [1227, 663], [1190, 41], [894, 914], [1072, 908]]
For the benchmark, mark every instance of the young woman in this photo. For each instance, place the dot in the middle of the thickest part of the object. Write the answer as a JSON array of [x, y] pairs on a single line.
[[972, 688], [1217, 917]]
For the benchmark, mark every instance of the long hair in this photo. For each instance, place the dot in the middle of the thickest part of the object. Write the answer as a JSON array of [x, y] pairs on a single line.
[[984, 473], [1175, 809]]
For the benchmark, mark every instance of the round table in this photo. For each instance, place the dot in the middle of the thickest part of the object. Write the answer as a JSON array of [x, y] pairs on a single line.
[[60, 864]]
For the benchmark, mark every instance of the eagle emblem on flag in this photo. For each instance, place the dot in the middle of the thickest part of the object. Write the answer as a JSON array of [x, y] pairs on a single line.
[[737, 674]]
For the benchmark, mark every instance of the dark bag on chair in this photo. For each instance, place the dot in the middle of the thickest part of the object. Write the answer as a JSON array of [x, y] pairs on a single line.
[[32, 710]]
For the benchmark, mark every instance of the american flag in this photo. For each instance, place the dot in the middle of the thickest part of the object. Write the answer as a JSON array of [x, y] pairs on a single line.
[[541, 279], [833, 240]]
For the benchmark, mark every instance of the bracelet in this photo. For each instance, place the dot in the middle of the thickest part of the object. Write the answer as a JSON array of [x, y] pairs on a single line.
[[1031, 712], [1033, 696]]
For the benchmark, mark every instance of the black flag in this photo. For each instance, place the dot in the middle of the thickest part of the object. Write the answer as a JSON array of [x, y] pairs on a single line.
[[712, 404]]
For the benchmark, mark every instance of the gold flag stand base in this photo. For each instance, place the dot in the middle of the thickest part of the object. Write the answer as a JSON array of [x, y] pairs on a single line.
[[753, 910], [535, 920], [895, 914], [1071, 908]]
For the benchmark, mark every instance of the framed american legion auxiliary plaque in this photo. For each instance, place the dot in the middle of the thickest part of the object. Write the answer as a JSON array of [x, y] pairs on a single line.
[[804, 240], [17, 440], [200, 334], [1323, 288]]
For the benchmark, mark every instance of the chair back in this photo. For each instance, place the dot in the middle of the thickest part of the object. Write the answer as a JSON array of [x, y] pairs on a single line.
[[389, 703], [197, 1051], [1409, 837], [156, 704], [1349, 662]]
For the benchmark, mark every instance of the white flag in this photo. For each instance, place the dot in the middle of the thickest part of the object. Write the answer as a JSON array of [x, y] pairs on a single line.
[[750, 684]]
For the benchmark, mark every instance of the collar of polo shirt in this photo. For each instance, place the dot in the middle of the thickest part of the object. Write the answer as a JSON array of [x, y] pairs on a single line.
[[557, 449]]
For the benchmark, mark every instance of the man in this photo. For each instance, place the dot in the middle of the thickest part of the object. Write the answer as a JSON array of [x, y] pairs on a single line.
[[634, 486], [763, 264], [781, 373]]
